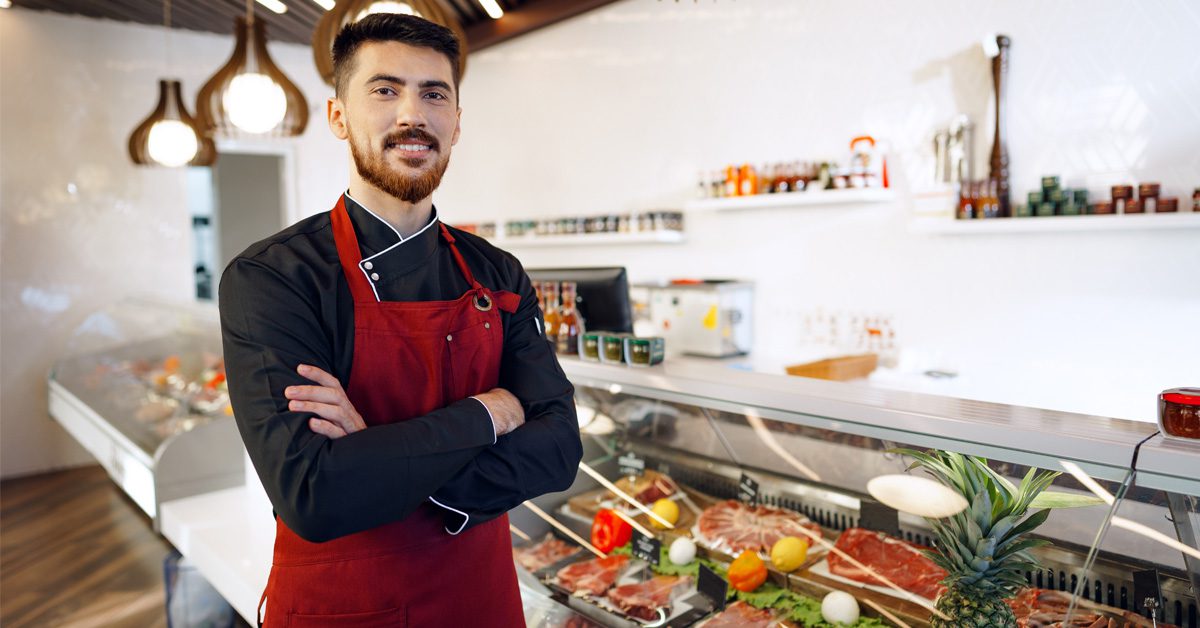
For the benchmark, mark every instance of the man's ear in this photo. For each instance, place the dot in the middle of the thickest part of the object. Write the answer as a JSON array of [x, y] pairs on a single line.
[[335, 111], [457, 127]]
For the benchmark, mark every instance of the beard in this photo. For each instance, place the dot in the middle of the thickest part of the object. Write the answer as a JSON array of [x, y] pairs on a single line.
[[373, 167]]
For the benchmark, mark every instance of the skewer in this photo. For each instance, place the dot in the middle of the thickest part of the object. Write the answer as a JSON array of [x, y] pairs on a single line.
[[517, 531], [768, 439], [562, 528], [883, 611], [622, 494], [636, 526]]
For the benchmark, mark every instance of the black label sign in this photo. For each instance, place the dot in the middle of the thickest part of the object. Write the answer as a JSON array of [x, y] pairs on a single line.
[[631, 464], [1147, 598], [748, 490], [712, 586], [647, 548], [873, 515]]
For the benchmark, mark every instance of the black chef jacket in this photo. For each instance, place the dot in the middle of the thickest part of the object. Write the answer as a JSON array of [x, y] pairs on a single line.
[[285, 301]]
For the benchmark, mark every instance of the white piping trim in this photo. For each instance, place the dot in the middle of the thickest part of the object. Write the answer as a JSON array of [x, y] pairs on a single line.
[[495, 437], [375, 215], [466, 517], [389, 226]]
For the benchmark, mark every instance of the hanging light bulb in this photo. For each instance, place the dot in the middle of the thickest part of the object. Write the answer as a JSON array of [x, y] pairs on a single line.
[[347, 11], [169, 136], [249, 94]]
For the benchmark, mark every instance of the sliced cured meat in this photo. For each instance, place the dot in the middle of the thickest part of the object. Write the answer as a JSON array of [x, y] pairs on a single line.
[[733, 526], [898, 561], [1043, 608], [742, 615], [593, 576], [643, 600], [648, 488], [549, 551]]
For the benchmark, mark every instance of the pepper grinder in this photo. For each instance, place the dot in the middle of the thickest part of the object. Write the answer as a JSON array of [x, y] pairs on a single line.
[[999, 140]]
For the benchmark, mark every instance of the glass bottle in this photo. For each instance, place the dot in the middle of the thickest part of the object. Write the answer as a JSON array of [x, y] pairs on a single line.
[[569, 325], [550, 312]]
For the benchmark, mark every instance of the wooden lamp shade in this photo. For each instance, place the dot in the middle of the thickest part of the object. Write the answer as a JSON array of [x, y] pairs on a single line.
[[249, 55], [170, 107], [345, 12]]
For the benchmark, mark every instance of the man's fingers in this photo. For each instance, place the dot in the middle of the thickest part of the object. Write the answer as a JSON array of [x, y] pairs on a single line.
[[323, 410], [325, 428], [318, 376], [322, 394]]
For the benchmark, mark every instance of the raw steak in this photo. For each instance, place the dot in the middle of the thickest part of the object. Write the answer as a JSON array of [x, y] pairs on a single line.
[[593, 576], [548, 552], [733, 526], [900, 562], [741, 614], [643, 600], [1042, 608]]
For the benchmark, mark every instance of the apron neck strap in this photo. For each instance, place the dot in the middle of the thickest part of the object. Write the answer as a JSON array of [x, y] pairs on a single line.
[[350, 254]]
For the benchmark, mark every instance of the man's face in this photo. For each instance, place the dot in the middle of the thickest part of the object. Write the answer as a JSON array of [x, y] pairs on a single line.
[[400, 114]]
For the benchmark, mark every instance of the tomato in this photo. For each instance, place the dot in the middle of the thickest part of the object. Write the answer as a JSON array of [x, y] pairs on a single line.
[[610, 531], [747, 572]]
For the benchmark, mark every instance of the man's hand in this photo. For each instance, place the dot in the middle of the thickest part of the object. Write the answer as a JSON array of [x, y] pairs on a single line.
[[328, 401], [506, 410]]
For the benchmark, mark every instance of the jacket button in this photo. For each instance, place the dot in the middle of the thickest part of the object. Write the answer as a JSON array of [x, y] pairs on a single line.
[[368, 265], [449, 337], [374, 276]]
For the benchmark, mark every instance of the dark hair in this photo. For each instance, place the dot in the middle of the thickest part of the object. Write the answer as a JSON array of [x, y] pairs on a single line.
[[382, 27]]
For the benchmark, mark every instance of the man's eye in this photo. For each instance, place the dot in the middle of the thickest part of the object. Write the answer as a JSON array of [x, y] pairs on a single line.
[[436, 95], [386, 91]]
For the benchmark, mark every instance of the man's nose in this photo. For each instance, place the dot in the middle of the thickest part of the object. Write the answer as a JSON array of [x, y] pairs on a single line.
[[409, 112]]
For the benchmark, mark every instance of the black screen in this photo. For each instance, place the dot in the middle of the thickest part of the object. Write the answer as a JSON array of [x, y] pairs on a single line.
[[603, 295]]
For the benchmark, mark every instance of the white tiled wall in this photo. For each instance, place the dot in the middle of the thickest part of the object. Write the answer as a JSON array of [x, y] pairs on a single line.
[[618, 110]]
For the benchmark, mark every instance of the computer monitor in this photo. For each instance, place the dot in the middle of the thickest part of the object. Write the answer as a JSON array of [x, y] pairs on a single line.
[[603, 295]]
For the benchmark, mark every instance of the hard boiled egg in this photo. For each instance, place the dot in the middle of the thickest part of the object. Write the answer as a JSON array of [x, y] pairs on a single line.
[[682, 552], [839, 607]]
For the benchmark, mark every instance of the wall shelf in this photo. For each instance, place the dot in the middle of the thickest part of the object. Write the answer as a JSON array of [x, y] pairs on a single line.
[[793, 199], [1046, 224], [576, 239]]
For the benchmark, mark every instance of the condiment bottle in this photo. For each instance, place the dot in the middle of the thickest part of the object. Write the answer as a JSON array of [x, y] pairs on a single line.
[[1148, 195], [1196, 200], [569, 324], [1179, 412], [1121, 194], [550, 312], [731, 181]]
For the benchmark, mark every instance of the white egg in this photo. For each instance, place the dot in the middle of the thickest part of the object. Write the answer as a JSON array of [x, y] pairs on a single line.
[[682, 552], [839, 607]]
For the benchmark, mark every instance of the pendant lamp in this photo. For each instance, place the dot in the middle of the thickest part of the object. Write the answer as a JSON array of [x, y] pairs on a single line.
[[249, 94], [347, 11], [169, 136]]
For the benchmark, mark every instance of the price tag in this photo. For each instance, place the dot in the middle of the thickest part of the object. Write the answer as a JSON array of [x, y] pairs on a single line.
[[712, 587], [1147, 598], [748, 490], [631, 465], [647, 548], [873, 515]]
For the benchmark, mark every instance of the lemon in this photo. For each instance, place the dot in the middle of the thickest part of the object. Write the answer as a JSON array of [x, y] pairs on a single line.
[[789, 553], [667, 509]]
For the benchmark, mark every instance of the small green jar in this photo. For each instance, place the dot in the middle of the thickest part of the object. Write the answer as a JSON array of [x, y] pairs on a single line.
[[644, 351]]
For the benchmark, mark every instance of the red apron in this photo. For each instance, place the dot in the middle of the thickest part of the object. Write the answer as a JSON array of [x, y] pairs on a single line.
[[410, 358]]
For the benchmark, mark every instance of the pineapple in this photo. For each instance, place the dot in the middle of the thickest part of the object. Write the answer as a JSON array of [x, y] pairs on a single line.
[[982, 548]]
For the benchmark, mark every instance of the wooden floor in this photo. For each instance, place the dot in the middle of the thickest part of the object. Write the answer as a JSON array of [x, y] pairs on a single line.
[[74, 551]]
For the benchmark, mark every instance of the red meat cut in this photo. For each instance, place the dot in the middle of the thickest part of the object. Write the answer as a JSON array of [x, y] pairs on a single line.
[[643, 600], [742, 615], [545, 553], [593, 576], [1042, 608], [734, 526], [898, 561]]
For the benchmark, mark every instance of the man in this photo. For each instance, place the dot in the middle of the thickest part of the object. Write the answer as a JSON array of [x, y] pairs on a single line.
[[388, 372]]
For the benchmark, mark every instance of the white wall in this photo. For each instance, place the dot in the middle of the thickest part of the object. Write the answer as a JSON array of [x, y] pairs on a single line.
[[619, 109], [82, 226]]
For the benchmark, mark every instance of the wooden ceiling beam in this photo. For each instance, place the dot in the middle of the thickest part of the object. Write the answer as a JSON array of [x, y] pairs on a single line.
[[529, 16]]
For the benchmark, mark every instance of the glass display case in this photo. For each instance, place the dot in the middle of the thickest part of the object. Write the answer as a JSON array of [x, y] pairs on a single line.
[[746, 460], [142, 389]]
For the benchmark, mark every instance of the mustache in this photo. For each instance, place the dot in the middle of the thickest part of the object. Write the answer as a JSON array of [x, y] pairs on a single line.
[[402, 137]]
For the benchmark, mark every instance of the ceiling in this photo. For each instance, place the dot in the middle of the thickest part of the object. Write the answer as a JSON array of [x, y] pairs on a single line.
[[298, 23]]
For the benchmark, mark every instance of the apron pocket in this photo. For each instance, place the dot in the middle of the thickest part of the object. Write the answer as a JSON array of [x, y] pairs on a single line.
[[374, 619]]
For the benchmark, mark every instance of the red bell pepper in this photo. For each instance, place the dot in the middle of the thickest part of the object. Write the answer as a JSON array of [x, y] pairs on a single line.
[[610, 531]]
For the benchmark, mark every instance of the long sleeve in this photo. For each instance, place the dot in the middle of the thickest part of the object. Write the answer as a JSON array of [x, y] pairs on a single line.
[[323, 488], [541, 456]]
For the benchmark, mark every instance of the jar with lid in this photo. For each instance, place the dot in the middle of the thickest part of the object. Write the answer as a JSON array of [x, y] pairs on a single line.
[[1148, 195], [1167, 204], [1134, 206], [1179, 413], [1120, 196], [1102, 207], [1196, 200]]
